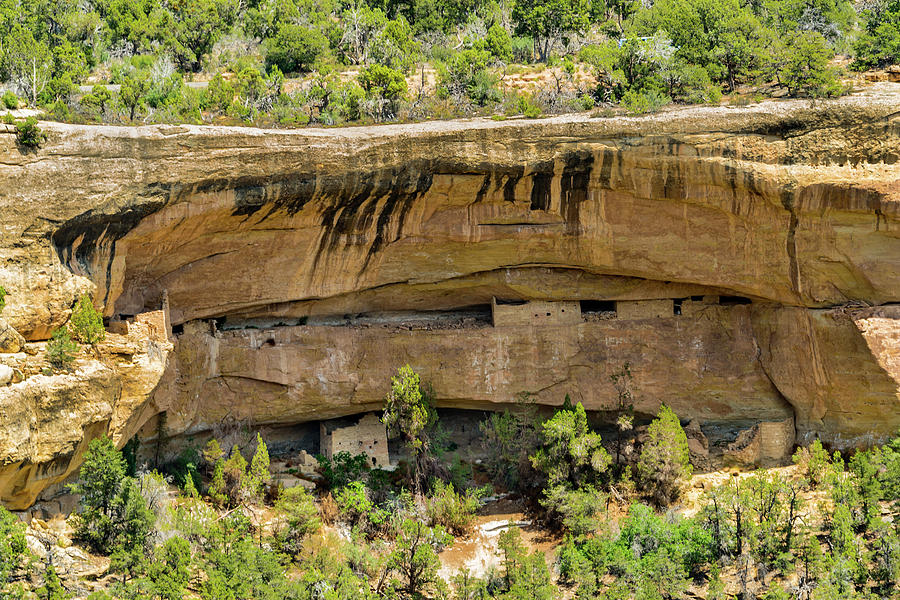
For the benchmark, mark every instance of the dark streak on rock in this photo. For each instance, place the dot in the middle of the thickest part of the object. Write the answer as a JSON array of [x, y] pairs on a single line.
[[574, 184]]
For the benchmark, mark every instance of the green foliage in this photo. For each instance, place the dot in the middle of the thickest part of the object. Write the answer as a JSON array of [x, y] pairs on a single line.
[[525, 575], [86, 322], [385, 87], [295, 48], [637, 103], [665, 463], [804, 69], [570, 452], [465, 75], [342, 469], [12, 545], [52, 588], [217, 486], [407, 414], [300, 518], [357, 508], [169, 573], [414, 558], [580, 510], [879, 45], [2, 298], [499, 42], [814, 462], [258, 477], [28, 134], [453, 511], [133, 90], [10, 100], [235, 472], [114, 517], [508, 438], [61, 349], [549, 22], [212, 452]]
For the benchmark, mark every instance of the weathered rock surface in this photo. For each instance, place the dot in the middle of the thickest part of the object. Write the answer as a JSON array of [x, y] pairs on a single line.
[[792, 207], [47, 421]]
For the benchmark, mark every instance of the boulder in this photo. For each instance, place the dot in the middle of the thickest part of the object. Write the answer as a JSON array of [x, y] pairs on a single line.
[[10, 340]]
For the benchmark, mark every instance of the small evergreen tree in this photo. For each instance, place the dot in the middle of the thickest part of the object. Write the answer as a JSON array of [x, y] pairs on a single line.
[[217, 488], [258, 476], [61, 349], [300, 518], [12, 545], [28, 134], [235, 471], [415, 557], [87, 324], [664, 463], [407, 414], [213, 452], [169, 573], [814, 463], [52, 588]]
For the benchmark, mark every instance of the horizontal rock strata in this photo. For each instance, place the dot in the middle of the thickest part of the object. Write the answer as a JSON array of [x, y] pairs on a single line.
[[788, 215]]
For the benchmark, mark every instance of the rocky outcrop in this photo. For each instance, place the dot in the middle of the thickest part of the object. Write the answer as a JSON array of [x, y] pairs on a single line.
[[48, 420], [795, 209]]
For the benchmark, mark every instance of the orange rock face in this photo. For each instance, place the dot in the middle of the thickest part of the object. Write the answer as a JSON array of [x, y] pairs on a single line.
[[304, 267]]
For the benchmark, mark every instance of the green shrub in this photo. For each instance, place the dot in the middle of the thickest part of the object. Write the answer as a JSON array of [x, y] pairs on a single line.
[[342, 469], [300, 518], [10, 100], [87, 324], [28, 134], [114, 517], [453, 511], [804, 69], [814, 463], [2, 298], [580, 511], [258, 476], [61, 349], [12, 544], [664, 463], [637, 102], [295, 48]]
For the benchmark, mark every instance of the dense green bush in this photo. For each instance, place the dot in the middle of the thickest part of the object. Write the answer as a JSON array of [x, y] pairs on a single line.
[[86, 322], [453, 511], [114, 517], [879, 45], [2, 298], [61, 349], [12, 545], [300, 518], [28, 134], [10, 100], [665, 461]]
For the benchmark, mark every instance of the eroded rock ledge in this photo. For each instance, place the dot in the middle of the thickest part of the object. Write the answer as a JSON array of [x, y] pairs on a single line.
[[268, 247]]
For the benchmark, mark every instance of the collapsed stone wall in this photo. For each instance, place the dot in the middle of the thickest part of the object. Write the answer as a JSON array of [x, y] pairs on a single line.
[[792, 208]]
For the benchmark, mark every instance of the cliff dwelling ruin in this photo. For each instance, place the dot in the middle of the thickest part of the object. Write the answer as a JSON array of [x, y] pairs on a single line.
[[750, 279], [367, 436]]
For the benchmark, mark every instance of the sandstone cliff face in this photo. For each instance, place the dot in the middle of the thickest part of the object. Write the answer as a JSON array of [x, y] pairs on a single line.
[[48, 420], [796, 209]]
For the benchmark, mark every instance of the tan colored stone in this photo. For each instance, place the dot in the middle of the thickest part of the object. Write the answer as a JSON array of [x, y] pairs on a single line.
[[10, 340], [838, 368], [697, 365], [796, 208], [46, 422]]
